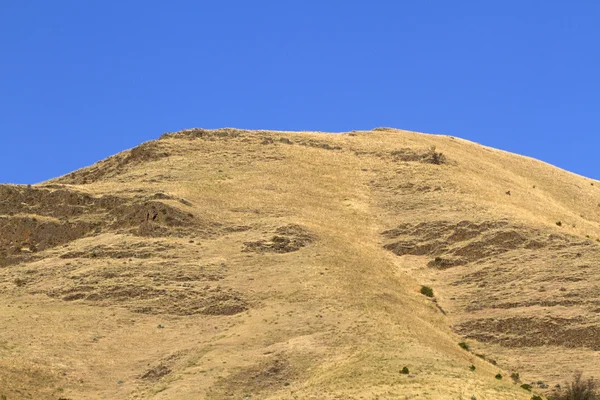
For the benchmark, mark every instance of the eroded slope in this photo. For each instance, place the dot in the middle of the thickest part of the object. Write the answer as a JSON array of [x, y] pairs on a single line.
[[232, 264]]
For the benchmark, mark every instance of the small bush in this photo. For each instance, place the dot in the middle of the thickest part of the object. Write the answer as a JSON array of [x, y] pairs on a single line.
[[472, 368], [515, 377], [434, 157], [526, 387], [558, 223], [405, 371], [464, 346], [19, 282], [498, 376], [427, 291], [578, 389], [536, 397]]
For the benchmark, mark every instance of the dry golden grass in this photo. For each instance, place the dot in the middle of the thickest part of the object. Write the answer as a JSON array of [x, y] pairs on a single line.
[[267, 277]]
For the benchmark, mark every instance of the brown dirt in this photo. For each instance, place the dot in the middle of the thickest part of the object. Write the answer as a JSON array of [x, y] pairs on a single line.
[[148, 300], [36, 219], [470, 241], [533, 332], [272, 375]]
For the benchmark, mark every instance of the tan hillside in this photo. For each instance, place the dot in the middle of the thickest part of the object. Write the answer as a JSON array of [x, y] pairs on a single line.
[[234, 264]]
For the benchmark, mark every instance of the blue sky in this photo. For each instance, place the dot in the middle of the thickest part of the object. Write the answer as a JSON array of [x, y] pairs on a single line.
[[82, 80]]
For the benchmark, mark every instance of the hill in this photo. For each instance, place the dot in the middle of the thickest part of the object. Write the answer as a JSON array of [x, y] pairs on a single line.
[[231, 264]]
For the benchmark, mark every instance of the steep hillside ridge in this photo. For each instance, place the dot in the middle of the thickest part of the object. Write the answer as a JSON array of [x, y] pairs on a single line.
[[287, 265]]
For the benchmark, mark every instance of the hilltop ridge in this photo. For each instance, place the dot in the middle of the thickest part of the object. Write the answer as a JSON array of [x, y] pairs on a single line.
[[228, 263]]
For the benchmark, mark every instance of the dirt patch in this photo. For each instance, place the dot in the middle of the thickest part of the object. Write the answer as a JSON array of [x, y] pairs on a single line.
[[58, 203], [20, 237], [534, 332], [150, 300], [36, 219], [270, 376], [467, 241], [113, 210], [145, 286], [287, 239], [156, 373], [151, 218]]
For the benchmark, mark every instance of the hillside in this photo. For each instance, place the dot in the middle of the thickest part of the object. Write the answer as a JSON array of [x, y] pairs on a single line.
[[232, 264]]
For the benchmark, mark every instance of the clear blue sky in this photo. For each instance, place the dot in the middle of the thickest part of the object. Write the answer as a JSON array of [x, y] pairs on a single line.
[[82, 80]]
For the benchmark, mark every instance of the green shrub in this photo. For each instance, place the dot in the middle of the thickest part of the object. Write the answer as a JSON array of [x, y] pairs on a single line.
[[427, 291], [463, 345], [472, 368], [498, 376], [515, 377], [536, 397], [558, 223], [526, 387], [405, 371]]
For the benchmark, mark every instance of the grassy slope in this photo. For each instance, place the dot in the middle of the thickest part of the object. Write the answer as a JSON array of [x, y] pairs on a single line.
[[338, 318]]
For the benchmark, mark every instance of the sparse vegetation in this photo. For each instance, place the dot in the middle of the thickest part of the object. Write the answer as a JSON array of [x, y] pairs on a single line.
[[19, 282], [498, 376], [578, 389], [536, 397], [164, 277], [427, 291], [526, 386], [434, 157], [558, 223]]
